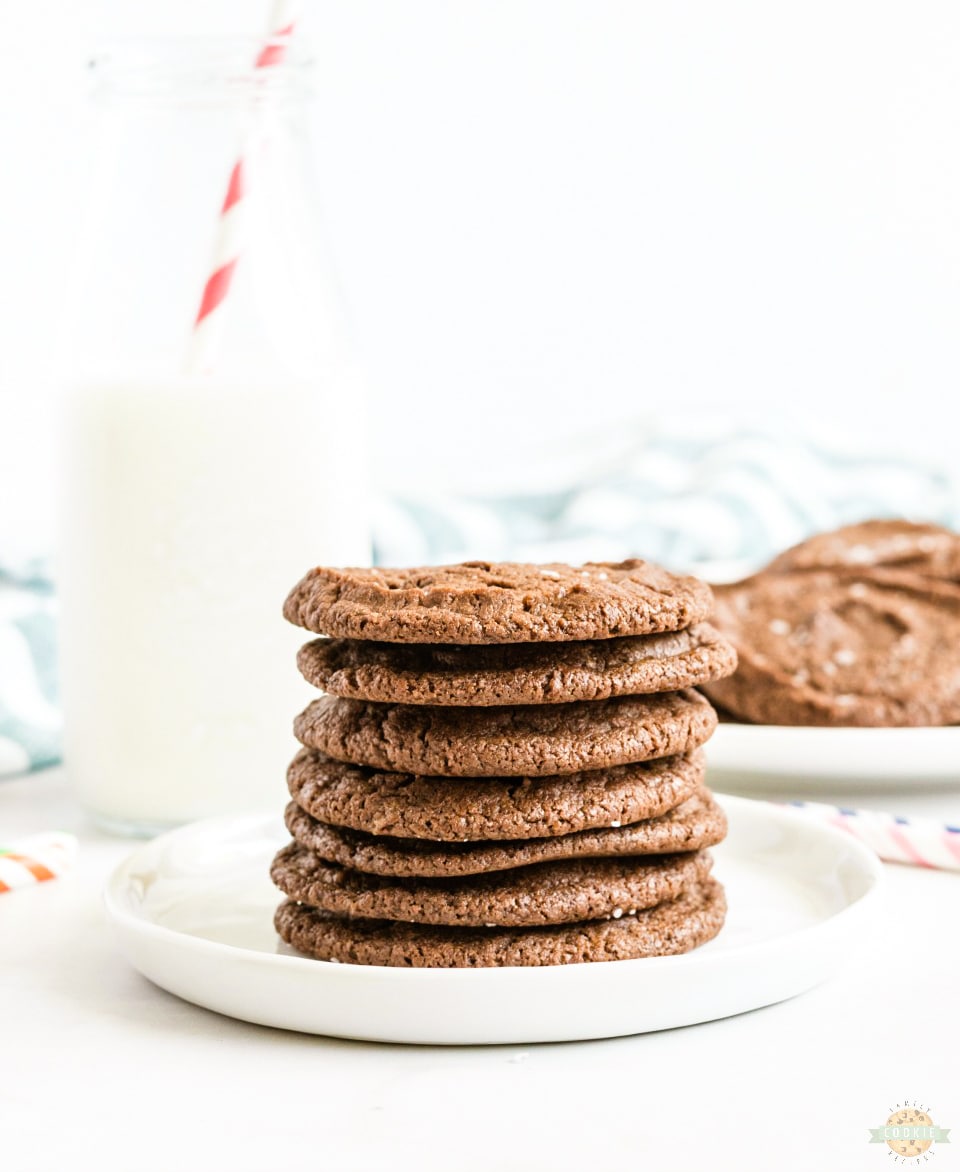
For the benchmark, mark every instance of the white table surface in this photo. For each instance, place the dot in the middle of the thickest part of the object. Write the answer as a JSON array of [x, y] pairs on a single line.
[[103, 1071]]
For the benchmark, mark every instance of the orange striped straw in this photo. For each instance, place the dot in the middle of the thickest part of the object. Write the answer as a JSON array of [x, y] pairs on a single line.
[[35, 860]]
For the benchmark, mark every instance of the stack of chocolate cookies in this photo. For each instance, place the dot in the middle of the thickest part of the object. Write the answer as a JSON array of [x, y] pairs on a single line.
[[506, 768]]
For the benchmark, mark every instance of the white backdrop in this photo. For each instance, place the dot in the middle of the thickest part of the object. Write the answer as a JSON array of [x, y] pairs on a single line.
[[552, 215]]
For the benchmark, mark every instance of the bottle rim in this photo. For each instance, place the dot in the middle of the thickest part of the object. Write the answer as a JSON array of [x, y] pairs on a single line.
[[196, 67]]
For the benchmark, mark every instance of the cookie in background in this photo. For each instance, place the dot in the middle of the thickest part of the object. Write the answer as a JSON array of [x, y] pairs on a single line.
[[856, 627]]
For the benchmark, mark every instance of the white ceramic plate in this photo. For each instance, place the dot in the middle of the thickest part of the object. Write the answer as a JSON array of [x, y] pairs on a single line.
[[777, 759], [194, 913]]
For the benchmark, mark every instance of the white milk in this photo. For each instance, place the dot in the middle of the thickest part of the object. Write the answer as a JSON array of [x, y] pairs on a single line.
[[189, 509]]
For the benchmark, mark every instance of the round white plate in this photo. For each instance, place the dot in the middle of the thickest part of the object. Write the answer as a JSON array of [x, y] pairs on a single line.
[[779, 759], [194, 913]]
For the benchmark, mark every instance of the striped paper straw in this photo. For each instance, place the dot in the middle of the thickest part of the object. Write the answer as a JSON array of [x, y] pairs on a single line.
[[920, 842], [36, 859], [207, 327]]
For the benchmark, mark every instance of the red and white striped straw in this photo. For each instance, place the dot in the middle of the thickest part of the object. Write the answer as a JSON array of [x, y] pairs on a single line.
[[920, 842], [228, 245]]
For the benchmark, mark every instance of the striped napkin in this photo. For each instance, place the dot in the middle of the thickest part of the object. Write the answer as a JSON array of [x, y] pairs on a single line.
[[703, 496], [29, 712]]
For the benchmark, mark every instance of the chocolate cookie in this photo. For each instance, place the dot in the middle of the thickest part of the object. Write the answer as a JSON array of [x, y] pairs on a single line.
[[497, 602], [469, 809], [506, 742], [697, 823], [516, 673], [902, 545], [692, 919], [818, 648], [544, 893]]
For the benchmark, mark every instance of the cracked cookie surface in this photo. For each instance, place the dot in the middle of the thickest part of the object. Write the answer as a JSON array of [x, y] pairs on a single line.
[[449, 809], [543, 893], [534, 741], [695, 824], [497, 602], [695, 917], [516, 673]]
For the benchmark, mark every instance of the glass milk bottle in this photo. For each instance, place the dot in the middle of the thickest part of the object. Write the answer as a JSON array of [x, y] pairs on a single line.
[[204, 466]]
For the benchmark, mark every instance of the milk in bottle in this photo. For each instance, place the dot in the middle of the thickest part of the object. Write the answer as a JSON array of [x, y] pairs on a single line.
[[192, 502]]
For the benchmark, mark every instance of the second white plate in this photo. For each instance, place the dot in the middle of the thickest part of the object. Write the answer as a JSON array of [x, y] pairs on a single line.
[[781, 759], [194, 910]]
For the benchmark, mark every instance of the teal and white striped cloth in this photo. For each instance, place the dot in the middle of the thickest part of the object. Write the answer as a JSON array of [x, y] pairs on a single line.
[[720, 505], [29, 713], [718, 502]]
